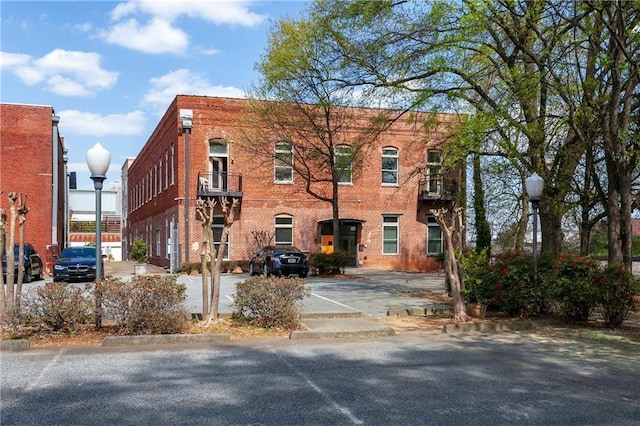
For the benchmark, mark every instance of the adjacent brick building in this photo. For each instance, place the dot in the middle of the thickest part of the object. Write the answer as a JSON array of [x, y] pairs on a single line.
[[32, 161], [384, 213]]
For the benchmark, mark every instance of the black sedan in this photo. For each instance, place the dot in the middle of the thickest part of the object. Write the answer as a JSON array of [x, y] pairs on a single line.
[[32, 263], [75, 264], [279, 260]]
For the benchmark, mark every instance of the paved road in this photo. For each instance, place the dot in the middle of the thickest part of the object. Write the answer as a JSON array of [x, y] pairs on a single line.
[[415, 379], [368, 292]]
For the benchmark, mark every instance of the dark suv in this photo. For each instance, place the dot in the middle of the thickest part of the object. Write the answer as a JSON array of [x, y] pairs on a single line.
[[75, 264], [279, 260], [32, 263]]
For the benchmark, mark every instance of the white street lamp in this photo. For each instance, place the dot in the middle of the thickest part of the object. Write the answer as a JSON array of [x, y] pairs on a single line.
[[98, 160], [534, 185]]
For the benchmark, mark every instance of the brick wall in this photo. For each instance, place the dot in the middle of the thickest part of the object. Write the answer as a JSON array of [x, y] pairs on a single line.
[[26, 165]]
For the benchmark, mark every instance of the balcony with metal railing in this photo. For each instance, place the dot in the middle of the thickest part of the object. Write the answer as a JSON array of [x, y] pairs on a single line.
[[437, 188], [220, 184]]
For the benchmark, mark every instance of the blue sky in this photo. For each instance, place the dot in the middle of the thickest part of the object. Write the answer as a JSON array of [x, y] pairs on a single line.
[[111, 69]]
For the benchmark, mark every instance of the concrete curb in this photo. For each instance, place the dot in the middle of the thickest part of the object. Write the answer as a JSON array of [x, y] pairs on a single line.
[[487, 327], [437, 311], [326, 334], [164, 339], [14, 345]]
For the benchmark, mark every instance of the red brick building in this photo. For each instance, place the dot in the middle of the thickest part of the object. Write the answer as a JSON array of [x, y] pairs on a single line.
[[384, 222], [32, 161]]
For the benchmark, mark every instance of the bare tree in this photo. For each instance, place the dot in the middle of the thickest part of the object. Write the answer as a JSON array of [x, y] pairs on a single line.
[[205, 210], [10, 292]]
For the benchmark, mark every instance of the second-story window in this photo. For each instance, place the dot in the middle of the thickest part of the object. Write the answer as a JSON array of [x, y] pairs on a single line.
[[283, 163], [389, 166], [434, 170], [343, 157]]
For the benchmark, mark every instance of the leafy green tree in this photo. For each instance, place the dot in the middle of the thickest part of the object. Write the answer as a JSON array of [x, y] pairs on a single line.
[[554, 76], [301, 106]]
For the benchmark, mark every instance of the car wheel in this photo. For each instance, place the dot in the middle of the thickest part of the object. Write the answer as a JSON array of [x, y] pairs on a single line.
[[265, 270], [303, 275], [27, 275]]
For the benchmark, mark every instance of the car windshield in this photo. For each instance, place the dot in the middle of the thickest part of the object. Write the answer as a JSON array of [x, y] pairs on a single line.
[[282, 250], [78, 252]]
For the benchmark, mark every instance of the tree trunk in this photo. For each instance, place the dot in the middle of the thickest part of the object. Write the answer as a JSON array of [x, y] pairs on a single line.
[[228, 211], [446, 218]]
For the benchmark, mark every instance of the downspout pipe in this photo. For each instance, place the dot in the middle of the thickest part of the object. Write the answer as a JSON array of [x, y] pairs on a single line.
[[55, 139]]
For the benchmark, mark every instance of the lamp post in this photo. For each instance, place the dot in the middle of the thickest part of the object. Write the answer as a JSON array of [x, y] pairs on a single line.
[[186, 123], [98, 160], [534, 185]]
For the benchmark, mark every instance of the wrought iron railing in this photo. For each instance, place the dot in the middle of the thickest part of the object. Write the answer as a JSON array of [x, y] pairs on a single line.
[[219, 183]]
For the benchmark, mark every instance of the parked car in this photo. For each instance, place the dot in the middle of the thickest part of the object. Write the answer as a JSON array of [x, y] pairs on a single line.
[[279, 260], [32, 263], [75, 264]]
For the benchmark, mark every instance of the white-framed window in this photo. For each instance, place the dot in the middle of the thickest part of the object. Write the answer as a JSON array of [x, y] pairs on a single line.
[[434, 170], [218, 228], [389, 166], [283, 162], [434, 236], [343, 166], [173, 165], [166, 169], [158, 243], [283, 230], [390, 234]]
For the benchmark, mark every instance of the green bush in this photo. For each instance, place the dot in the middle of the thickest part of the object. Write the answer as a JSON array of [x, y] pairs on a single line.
[[333, 263], [571, 288], [147, 304], [271, 302], [478, 287], [615, 288], [514, 289], [56, 307], [139, 250]]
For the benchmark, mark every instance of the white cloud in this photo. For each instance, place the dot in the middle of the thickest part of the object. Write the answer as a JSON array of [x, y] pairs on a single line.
[[159, 34], [74, 122], [156, 37], [67, 73], [219, 12], [184, 82]]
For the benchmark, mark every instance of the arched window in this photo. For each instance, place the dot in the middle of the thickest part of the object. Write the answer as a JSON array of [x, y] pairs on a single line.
[[389, 166], [283, 230]]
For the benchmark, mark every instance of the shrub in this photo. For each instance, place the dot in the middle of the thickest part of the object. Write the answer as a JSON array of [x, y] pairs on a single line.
[[514, 291], [150, 304], [570, 283], [57, 307], [615, 288], [271, 302], [332, 263], [139, 250], [478, 287], [227, 266]]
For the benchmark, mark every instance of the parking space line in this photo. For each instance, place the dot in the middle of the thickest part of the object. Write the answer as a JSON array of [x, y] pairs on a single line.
[[343, 410], [335, 301]]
